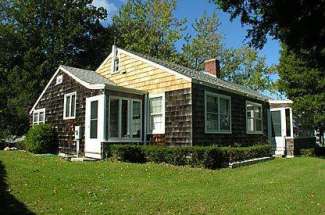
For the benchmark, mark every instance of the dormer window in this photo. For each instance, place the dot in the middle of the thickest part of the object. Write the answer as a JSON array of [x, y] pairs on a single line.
[[116, 65]]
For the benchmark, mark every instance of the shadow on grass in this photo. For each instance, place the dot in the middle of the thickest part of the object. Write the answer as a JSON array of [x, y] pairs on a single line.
[[8, 203]]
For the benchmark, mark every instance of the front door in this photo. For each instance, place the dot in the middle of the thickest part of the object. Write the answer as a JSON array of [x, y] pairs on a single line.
[[94, 126], [277, 132]]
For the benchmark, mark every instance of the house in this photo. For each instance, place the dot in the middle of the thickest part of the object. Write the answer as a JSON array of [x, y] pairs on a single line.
[[133, 98]]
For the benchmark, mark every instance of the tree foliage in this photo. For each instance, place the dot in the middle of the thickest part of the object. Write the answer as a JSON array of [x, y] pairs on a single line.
[[35, 38], [303, 84], [241, 65], [149, 27], [299, 24]]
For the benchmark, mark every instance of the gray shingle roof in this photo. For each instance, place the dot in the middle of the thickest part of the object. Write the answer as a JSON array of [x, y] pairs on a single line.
[[88, 76], [204, 77]]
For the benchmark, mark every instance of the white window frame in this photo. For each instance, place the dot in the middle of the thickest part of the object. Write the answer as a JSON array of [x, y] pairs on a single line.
[[64, 105], [130, 114], [254, 118], [38, 111], [218, 131], [59, 79], [163, 104], [115, 56]]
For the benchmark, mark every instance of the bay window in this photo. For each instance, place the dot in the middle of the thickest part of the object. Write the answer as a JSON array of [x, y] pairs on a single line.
[[217, 113], [254, 120]]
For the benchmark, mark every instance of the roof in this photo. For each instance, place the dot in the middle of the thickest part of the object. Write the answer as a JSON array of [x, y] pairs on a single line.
[[204, 77], [89, 76]]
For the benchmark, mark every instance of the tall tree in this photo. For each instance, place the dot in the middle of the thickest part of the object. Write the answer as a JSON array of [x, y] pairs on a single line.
[[206, 43], [299, 24], [149, 27], [305, 86], [242, 65], [36, 37]]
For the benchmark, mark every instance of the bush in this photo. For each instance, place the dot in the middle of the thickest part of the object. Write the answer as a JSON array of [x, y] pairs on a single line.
[[319, 151], [41, 139], [307, 152], [207, 157]]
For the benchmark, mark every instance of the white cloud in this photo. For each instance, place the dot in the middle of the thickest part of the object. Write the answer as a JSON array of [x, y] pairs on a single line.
[[108, 5]]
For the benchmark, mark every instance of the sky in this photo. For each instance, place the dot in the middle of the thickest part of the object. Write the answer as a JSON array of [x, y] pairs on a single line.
[[234, 33]]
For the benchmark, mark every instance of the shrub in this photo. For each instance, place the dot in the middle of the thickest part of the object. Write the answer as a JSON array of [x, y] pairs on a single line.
[[41, 139], [307, 152], [207, 157], [320, 151]]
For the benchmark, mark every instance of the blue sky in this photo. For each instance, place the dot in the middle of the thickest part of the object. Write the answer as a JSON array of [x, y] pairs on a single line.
[[234, 33]]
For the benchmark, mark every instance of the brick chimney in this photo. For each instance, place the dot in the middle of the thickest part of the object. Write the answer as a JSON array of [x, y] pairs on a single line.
[[212, 66]]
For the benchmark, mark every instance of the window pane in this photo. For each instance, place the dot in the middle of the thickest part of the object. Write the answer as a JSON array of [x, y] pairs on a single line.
[[250, 110], [258, 125], [67, 106], [124, 125], [93, 119], [35, 118], [288, 122], [212, 122], [41, 117], [276, 123], [156, 105], [113, 118], [212, 104], [136, 119], [257, 112], [250, 125], [156, 122], [224, 122], [224, 106], [73, 102]]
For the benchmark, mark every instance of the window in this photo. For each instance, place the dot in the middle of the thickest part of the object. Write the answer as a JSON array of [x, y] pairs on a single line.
[[276, 123], [217, 113], [157, 113], [116, 64], [288, 122], [93, 119], [59, 79], [39, 116], [125, 118], [69, 111], [254, 115]]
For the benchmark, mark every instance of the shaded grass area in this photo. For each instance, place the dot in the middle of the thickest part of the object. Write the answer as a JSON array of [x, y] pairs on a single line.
[[48, 185]]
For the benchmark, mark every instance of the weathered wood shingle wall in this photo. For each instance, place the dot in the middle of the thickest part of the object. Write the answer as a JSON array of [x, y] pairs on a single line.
[[238, 115], [53, 102]]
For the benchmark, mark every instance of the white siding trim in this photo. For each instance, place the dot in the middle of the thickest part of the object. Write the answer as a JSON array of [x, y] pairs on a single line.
[[85, 84]]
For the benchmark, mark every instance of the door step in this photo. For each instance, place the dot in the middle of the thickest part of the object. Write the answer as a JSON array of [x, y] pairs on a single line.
[[82, 159]]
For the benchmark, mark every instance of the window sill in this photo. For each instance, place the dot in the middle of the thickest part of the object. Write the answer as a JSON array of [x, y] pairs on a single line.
[[218, 132], [257, 132], [65, 118]]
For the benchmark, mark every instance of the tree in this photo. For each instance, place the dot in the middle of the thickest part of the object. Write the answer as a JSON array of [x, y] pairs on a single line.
[[35, 38], [305, 86], [299, 24], [241, 65], [149, 27], [206, 44]]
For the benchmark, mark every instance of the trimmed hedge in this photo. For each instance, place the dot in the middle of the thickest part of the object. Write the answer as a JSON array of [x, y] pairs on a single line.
[[41, 139], [199, 156]]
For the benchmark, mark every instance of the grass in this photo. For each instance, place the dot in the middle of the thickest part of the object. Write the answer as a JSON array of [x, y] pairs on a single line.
[[48, 185]]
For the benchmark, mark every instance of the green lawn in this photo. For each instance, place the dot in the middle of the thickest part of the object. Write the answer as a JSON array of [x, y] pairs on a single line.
[[48, 185]]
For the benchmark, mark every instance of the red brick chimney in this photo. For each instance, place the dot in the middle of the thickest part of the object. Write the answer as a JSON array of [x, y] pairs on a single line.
[[212, 66]]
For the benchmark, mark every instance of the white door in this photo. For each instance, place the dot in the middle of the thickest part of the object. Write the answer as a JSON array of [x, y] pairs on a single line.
[[279, 130], [94, 126]]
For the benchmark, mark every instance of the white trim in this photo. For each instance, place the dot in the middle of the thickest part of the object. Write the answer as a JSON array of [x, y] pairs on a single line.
[[38, 111], [105, 61], [218, 131], [155, 65], [64, 105], [254, 104], [85, 84], [163, 104], [280, 101]]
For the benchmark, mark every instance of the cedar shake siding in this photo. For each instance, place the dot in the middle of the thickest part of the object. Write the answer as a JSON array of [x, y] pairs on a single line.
[[53, 102], [178, 119], [239, 135]]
